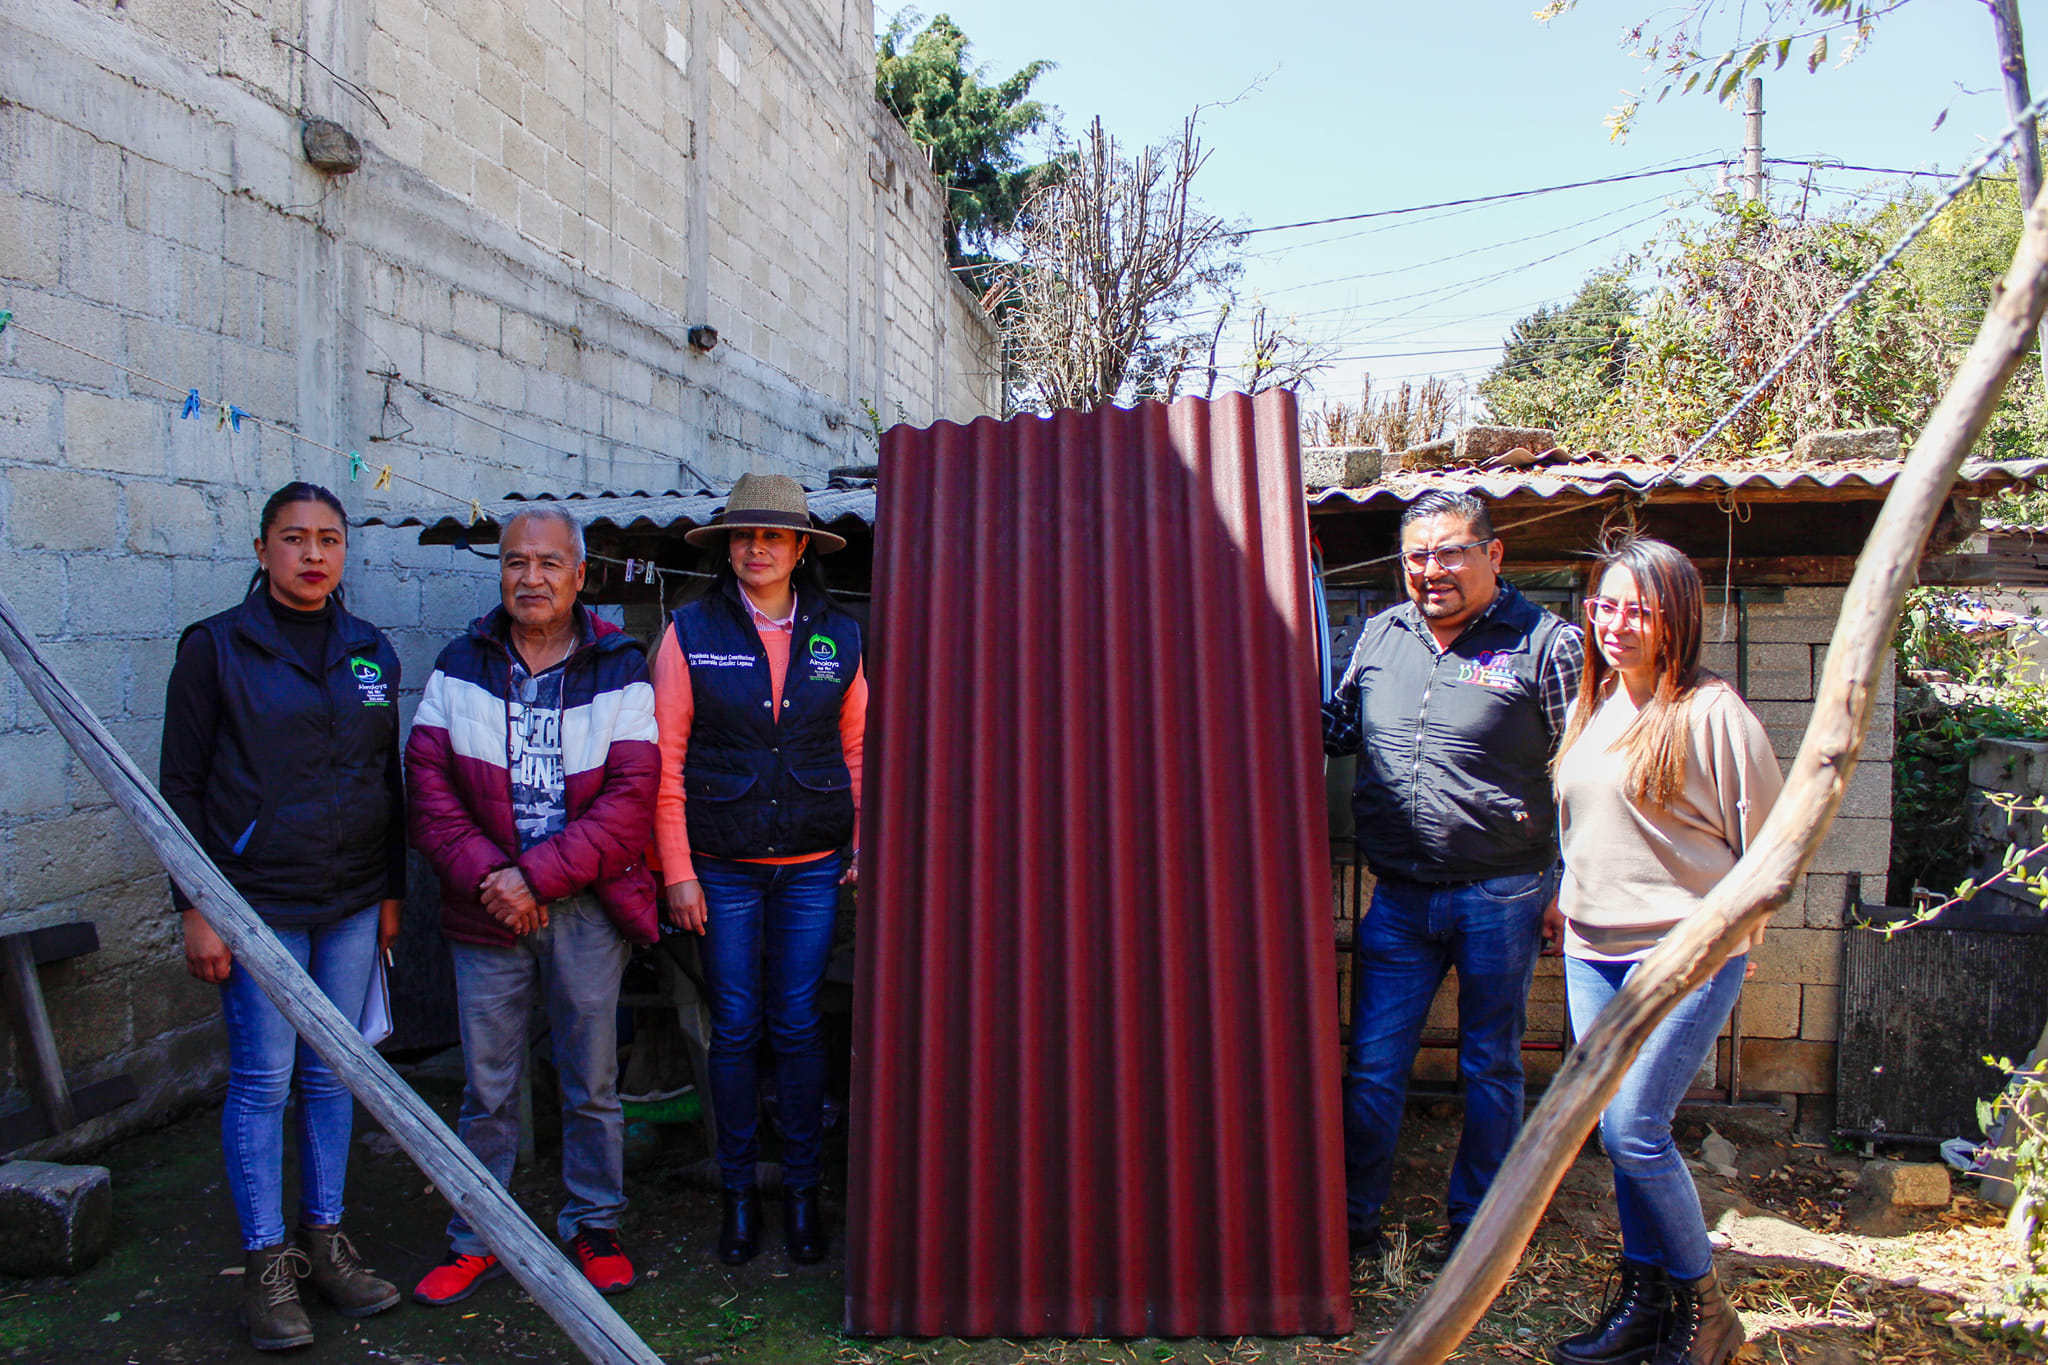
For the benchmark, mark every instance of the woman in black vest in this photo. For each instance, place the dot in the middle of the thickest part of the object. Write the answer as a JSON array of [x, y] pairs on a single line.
[[280, 753], [762, 706]]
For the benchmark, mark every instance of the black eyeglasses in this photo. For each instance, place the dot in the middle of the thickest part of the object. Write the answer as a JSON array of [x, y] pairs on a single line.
[[1450, 557]]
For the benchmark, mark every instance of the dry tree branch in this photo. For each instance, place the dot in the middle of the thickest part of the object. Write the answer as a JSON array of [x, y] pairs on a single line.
[[1745, 898]]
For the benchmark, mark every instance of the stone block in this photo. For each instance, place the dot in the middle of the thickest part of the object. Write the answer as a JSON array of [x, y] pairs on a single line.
[[1886, 1193], [31, 233], [91, 1016], [1887, 690], [2010, 765], [35, 585], [170, 519], [1855, 845], [201, 587], [83, 324], [1870, 792], [1340, 466], [1791, 1065], [1798, 957], [1857, 443], [62, 509], [29, 427], [1807, 615], [168, 997], [1818, 902], [121, 595], [54, 1220], [1779, 672], [32, 773], [1820, 1013], [121, 434], [1770, 1009], [49, 859]]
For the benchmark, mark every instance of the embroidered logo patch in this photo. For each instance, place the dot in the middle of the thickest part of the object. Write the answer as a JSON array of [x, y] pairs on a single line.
[[1489, 670], [369, 681], [825, 664]]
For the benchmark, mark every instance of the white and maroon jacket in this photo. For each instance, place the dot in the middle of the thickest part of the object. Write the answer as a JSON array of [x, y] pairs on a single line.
[[459, 780]]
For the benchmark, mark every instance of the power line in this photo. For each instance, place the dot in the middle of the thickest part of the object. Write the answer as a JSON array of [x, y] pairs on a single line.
[[1484, 198]]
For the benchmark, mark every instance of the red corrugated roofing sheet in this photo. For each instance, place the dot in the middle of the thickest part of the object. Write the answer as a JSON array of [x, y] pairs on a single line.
[[1096, 1086]]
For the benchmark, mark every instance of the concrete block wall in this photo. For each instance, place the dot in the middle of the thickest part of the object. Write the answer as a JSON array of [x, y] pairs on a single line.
[[1791, 1008], [503, 291]]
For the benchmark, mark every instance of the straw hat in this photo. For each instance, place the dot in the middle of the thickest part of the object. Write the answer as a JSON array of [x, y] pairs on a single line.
[[766, 500]]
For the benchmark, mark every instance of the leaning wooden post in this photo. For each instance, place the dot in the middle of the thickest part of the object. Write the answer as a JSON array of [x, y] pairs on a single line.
[[533, 1260], [1758, 884]]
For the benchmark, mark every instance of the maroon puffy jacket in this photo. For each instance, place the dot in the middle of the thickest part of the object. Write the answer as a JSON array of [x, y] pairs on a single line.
[[459, 780]]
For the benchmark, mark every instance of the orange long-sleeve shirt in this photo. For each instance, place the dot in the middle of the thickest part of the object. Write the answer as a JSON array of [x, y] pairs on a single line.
[[675, 707]]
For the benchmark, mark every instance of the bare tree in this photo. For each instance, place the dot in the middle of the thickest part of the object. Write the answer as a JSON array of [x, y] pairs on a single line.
[[1111, 255]]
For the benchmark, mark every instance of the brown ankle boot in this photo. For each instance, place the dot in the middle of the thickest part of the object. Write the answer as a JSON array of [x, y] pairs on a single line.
[[339, 1276], [1701, 1326], [270, 1298]]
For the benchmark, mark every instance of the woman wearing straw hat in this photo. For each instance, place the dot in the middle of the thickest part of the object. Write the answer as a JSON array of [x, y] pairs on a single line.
[[762, 708]]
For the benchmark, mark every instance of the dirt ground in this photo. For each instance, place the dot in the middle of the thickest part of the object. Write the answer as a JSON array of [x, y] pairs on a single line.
[[1811, 1293]]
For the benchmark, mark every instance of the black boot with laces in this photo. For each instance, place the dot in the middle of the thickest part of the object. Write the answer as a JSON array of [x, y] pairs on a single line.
[[1629, 1327]]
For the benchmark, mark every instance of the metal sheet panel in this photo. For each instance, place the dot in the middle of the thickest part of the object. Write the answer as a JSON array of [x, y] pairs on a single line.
[[443, 523], [1760, 474], [1921, 1010], [1096, 1075]]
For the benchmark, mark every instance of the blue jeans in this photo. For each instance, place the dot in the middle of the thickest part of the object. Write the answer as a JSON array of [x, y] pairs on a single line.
[[1411, 935], [576, 961], [1658, 1204], [262, 1049], [769, 926]]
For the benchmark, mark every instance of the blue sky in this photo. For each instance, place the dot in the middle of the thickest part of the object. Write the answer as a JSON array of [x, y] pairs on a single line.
[[1376, 104]]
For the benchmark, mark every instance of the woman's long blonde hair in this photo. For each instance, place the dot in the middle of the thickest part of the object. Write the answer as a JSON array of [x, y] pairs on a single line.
[[1655, 742]]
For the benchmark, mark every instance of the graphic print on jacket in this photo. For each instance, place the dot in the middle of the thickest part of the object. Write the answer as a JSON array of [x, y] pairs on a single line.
[[533, 730], [760, 784]]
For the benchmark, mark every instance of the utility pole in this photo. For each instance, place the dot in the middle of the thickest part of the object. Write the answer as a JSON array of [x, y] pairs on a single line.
[[2012, 65], [1753, 143]]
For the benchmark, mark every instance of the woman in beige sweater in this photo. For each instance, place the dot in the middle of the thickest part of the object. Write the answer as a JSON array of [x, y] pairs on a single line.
[[1663, 777]]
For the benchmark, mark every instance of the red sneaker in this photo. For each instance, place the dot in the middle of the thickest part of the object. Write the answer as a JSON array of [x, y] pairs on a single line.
[[456, 1278], [603, 1259]]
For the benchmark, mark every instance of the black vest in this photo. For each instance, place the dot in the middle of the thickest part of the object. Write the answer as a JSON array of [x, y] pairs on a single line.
[[1454, 769], [297, 809], [761, 785]]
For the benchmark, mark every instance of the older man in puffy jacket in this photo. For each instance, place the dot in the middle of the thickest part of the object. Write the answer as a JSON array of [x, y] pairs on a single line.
[[532, 768]]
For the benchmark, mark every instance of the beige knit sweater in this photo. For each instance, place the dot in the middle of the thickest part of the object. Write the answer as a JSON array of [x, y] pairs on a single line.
[[1630, 874]]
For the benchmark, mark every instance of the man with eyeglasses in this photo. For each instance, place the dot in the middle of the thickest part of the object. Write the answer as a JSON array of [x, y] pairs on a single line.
[[1454, 701]]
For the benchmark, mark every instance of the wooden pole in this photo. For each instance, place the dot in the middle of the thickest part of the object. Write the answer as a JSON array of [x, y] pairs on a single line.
[[532, 1258], [2012, 69], [1753, 142], [1745, 898]]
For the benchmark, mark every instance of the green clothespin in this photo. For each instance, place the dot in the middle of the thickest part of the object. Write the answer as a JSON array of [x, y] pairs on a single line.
[[6, 316], [355, 466]]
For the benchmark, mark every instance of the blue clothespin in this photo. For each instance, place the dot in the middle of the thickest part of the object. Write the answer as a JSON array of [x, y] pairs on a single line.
[[191, 408], [235, 416], [355, 465]]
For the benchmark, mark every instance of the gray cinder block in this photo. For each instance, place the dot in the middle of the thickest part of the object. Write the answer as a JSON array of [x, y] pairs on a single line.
[[54, 1220]]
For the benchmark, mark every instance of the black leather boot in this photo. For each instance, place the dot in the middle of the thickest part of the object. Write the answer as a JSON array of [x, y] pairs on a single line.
[[803, 1224], [1702, 1327], [739, 1235], [1629, 1327]]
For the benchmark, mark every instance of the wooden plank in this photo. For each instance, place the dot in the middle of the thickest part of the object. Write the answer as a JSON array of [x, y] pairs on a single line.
[[88, 1102], [533, 1259], [32, 1026], [59, 942], [1743, 900]]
